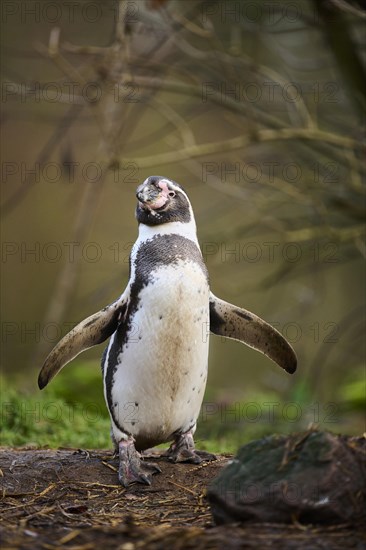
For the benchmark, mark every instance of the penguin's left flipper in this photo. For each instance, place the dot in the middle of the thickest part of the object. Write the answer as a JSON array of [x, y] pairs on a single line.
[[239, 324], [90, 332]]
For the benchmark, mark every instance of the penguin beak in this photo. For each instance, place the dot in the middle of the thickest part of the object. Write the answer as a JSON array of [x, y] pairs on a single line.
[[151, 196], [147, 193]]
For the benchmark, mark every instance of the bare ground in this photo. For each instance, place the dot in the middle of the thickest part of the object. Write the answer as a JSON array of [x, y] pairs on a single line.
[[71, 499]]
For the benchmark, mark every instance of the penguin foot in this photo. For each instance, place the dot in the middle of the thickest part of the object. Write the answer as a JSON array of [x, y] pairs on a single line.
[[131, 468], [206, 456], [182, 450]]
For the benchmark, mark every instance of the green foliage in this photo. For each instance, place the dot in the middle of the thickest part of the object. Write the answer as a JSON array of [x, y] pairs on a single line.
[[353, 395], [80, 384], [66, 415], [71, 413], [46, 419]]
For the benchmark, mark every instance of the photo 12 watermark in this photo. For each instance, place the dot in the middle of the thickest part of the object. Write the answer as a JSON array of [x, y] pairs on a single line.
[[69, 92], [239, 412], [68, 171], [268, 13], [25, 332], [242, 251], [270, 92], [68, 11], [267, 171]]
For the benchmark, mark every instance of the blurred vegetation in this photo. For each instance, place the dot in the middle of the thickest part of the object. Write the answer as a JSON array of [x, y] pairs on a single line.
[[258, 110], [50, 420], [73, 414]]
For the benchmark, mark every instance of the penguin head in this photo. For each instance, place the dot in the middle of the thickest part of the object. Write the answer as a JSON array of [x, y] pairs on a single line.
[[161, 200]]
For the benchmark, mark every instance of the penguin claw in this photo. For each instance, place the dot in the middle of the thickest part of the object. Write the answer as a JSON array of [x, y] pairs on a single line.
[[191, 457], [182, 450], [206, 456], [131, 468], [143, 474], [185, 456]]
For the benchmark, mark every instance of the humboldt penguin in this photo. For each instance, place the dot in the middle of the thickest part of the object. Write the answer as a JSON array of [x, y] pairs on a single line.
[[155, 364]]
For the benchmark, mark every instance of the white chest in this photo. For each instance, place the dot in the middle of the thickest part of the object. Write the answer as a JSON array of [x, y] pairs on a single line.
[[161, 371]]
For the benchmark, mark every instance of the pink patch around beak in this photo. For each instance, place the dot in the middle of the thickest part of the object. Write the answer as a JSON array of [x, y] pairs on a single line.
[[160, 201], [163, 197]]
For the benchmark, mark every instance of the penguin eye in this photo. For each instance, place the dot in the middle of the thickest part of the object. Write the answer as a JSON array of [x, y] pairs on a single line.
[[171, 194]]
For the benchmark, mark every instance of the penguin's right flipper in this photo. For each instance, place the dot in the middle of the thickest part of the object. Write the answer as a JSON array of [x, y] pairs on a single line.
[[90, 332]]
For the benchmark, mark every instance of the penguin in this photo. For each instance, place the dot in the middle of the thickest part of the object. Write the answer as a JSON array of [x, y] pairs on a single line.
[[155, 364]]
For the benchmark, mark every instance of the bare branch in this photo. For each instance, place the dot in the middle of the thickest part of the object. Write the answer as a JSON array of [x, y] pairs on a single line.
[[243, 141], [348, 8]]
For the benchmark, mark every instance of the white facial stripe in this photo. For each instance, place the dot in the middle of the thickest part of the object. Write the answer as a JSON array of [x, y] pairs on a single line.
[[179, 190], [175, 187]]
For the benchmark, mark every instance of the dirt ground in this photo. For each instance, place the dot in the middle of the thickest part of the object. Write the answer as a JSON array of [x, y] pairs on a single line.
[[71, 499]]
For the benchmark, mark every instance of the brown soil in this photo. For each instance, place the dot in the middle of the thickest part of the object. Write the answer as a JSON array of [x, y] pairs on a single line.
[[71, 499]]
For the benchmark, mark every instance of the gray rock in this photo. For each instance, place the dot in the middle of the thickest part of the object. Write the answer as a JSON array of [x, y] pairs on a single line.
[[311, 477]]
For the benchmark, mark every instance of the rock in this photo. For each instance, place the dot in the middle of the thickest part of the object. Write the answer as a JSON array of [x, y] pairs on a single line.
[[311, 477]]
